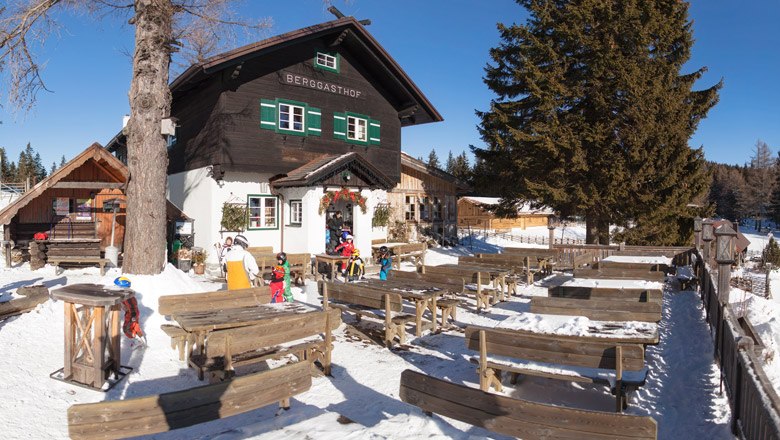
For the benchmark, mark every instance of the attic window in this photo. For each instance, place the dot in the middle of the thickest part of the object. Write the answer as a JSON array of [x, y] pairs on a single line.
[[327, 61]]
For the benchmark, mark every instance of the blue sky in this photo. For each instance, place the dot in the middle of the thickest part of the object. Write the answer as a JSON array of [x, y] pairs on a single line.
[[442, 44]]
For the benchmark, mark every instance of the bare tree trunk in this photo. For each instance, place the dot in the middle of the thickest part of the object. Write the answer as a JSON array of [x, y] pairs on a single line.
[[150, 102], [592, 229], [603, 227]]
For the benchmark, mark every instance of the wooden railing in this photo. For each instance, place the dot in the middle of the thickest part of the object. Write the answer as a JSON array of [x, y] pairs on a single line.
[[755, 405]]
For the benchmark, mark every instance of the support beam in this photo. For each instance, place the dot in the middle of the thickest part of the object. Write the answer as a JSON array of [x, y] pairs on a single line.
[[88, 185]]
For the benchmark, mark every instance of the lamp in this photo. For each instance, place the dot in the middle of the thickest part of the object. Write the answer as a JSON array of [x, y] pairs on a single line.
[[706, 230], [552, 222], [725, 244], [697, 224], [345, 176]]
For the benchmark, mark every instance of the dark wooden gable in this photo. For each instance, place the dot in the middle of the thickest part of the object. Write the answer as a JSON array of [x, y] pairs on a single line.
[[348, 170], [218, 102]]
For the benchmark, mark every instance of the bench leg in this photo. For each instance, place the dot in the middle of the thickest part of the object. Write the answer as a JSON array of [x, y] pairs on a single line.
[[285, 404], [619, 396]]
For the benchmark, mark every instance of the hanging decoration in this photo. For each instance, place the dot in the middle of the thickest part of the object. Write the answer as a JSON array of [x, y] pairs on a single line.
[[342, 195]]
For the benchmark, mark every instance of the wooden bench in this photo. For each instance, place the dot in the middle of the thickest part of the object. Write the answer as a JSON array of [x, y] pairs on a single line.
[[647, 267], [382, 305], [606, 293], [518, 418], [165, 412], [414, 252], [305, 335], [599, 309], [621, 366], [611, 273], [58, 260], [300, 264], [170, 305], [517, 267], [485, 296], [453, 285], [520, 265], [260, 250], [25, 304]]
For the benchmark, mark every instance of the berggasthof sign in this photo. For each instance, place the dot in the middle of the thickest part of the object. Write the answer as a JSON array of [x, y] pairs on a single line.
[[295, 79]]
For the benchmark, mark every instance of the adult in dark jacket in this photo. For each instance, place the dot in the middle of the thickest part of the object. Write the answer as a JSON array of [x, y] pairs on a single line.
[[335, 224]]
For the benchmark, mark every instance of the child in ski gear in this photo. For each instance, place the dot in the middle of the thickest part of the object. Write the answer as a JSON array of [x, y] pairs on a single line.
[[346, 247], [241, 265], [222, 251], [131, 326], [385, 262], [277, 284], [281, 259], [355, 267]]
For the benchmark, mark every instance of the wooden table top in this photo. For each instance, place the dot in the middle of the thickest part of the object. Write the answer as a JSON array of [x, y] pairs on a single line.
[[331, 257], [629, 332], [238, 317], [408, 289], [390, 245], [94, 295]]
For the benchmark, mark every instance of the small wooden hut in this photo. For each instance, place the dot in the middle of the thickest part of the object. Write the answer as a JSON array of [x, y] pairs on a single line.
[[473, 212], [69, 203]]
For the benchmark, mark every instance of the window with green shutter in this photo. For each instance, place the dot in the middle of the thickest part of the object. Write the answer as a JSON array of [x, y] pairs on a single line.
[[290, 117], [340, 126], [373, 131]]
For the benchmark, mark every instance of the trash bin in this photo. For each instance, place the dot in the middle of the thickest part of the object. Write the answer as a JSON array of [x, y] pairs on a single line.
[[185, 265]]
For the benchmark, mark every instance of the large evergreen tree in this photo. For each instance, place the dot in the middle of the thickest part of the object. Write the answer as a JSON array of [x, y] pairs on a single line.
[[593, 116], [760, 180]]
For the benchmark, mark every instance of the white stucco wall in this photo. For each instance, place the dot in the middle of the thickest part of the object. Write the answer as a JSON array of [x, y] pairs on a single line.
[[192, 191]]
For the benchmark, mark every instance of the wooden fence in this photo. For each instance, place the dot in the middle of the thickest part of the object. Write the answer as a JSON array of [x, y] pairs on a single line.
[[755, 405]]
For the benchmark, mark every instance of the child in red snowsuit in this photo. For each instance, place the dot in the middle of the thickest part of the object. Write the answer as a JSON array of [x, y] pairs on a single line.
[[277, 284], [346, 248]]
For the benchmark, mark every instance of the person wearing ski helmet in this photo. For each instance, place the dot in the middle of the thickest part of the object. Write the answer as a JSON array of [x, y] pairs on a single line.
[[281, 260], [346, 248], [277, 284], [241, 265], [355, 267], [385, 262]]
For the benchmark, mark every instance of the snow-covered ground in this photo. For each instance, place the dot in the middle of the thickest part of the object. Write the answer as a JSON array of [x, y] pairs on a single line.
[[681, 391], [763, 313]]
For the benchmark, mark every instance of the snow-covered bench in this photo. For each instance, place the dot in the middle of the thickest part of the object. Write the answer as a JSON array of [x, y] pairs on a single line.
[[621, 366], [168, 411], [599, 309], [365, 301], [515, 417], [686, 277], [613, 273]]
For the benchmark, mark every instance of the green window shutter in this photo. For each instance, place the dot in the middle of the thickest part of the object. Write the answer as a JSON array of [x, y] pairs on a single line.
[[268, 112], [340, 126], [313, 121], [373, 132]]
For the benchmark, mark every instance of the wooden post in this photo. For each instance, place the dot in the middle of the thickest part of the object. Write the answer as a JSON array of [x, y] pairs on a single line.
[[483, 380], [328, 337], [98, 347], [70, 310], [619, 377]]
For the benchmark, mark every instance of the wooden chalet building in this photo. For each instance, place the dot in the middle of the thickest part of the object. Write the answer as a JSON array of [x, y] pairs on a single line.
[[426, 198], [473, 213], [282, 126]]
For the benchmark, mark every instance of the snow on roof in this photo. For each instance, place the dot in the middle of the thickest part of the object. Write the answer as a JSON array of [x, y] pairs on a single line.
[[524, 208]]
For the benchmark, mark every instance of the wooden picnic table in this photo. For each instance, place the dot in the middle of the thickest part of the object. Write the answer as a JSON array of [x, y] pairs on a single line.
[[498, 275], [202, 322], [330, 260], [619, 332], [92, 334], [423, 295]]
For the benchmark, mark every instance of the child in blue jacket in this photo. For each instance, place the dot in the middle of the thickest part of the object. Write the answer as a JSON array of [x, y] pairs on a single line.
[[385, 262]]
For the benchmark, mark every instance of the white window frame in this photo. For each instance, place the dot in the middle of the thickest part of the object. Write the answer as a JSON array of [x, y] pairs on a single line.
[[263, 218], [353, 123], [296, 210], [324, 60], [291, 111]]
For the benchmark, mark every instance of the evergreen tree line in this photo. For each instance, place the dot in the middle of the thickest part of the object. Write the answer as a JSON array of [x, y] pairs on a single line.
[[29, 165], [751, 190]]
